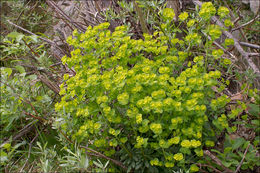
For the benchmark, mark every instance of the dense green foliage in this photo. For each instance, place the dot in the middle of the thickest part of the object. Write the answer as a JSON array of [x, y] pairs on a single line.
[[157, 101], [119, 91], [142, 96]]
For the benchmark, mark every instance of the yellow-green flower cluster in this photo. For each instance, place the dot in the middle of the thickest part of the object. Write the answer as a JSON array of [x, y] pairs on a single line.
[[191, 22], [217, 53], [157, 106], [194, 168], [178, 156], [158, 94], [123, 98], [139, 118], [193, 38], [207, 10], [163, 143], [131, 113], [214, 31], [199, 60], [169, 164], [183, 16], [219, 102], [229, 41], [221, 122], [156, 162], [156, 128], [139, 93], [175, 122], [174, 140], [163, 70], [174, 41], [102, 99], [100, 143], [210, 143], [228, 23], [199, 152], [113, 143], [145, 127], [141, 142], [168, 13], [186, 143], [195, 143], [82, 112], [223, 11], [114, 132], [89, 126], [191, 104]]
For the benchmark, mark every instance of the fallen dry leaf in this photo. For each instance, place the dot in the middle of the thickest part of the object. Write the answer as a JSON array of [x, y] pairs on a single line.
[[237, 96]]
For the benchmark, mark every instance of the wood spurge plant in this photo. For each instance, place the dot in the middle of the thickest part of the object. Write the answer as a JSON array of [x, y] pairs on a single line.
[[140, 96], [131, 86]]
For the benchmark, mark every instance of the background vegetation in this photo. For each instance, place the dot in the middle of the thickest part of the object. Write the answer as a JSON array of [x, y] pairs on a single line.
[[45, 126]]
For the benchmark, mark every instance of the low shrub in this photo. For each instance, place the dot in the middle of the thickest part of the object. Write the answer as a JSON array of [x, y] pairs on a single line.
[[145, 102]]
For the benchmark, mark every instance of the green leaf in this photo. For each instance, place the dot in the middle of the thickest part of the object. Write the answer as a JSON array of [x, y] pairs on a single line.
[[177, 30], [246, 144], [20, 69], [238, 142], [227, 150], [129, 169], [3, 157], [138, 165], [234, 162], [32, 77], [216, 151], [226, 164], [106, 164], [34, 38], [255, 122], [98, 164], [16, 35], [256, 141], [8, 71], [244, 166], [7, 146], [254, 110]]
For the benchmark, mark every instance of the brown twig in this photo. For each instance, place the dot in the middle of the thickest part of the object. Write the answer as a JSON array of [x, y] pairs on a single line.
[[22, 11], [236, 20], [54, 87], [58, 10], [244, 156], [250, 45], [48, 41], [31, 49], [216, 160], [98, 154], [21, 133], [59, 17], [65, 136], [205, 165], [35, 117], [56, 64], [141, 18], [29, 152], [244, 54], [254, 54], [29, 32], [245, 24], [105, 157], [20, 98], [235, 23], [219, 46], [44, 39]]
